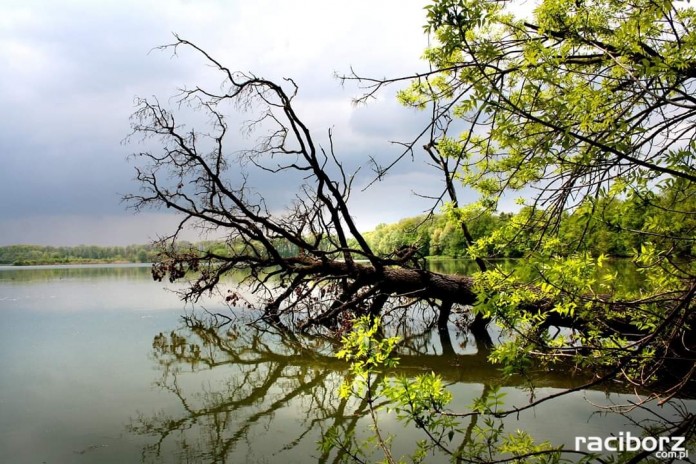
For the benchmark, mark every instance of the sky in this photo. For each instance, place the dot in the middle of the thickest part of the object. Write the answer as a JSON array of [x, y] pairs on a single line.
[[70, 71]]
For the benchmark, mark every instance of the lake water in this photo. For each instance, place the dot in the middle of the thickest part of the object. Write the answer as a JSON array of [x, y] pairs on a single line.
[[97, 366]]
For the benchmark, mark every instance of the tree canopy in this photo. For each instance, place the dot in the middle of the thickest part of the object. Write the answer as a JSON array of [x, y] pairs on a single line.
[[580, 107]]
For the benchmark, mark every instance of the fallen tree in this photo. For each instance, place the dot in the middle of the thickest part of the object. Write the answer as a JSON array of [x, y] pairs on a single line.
[[306, 262], [332, 264]]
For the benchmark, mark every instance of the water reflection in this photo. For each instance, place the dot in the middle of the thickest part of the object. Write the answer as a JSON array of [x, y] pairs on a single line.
[[251, 394], [238, 386], [91, 272], [76, 366]]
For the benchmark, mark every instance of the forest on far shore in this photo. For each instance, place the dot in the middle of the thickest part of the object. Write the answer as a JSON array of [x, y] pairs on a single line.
[[29, 255], [596, 228], [435, 236]]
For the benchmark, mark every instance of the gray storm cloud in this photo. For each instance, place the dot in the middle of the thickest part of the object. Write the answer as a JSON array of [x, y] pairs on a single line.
[[73, 69]]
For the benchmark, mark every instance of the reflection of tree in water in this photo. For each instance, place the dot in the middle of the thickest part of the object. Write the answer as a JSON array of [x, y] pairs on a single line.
[[234, 385], [248, 376], [242, 389]]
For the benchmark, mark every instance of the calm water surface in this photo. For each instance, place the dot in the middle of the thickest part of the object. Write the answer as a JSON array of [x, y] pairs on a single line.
[[97, 366]]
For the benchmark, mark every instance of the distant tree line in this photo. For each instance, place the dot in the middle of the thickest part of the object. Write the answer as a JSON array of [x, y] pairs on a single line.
[[434, 235], [29, 255], [25, 255], [611, 232]]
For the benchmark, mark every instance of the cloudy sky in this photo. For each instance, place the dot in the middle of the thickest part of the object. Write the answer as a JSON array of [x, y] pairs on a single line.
[[69, 72]]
